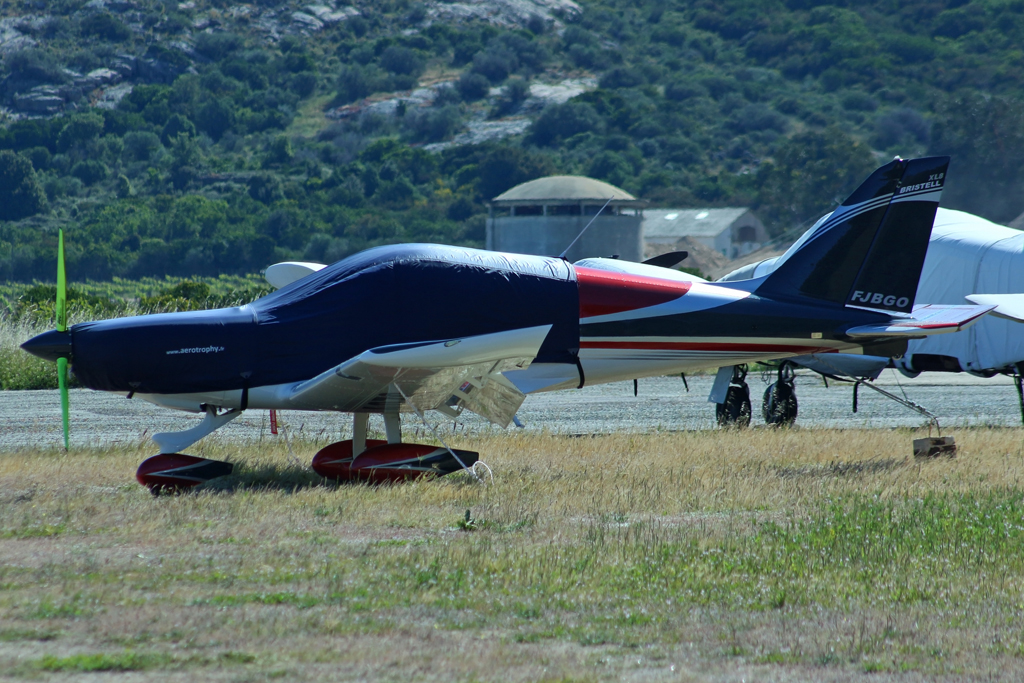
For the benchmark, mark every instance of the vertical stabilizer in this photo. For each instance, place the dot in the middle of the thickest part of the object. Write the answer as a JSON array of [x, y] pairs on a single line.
[[868, 252], [888, 277], [824, 263]]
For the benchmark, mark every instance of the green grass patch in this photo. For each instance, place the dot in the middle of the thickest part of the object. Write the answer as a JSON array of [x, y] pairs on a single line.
[[130, 660], [77, 607], [301, 601], [34, 531], [84, 663], [779, 657], [10, 635], [310, 119], [875, 666]]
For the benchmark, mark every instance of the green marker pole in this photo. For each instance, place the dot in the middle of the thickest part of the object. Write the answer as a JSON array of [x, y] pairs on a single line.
[[61, 313], [62, 382]]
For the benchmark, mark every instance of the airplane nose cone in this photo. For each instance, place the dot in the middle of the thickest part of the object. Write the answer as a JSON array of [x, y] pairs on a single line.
[[50, 345]]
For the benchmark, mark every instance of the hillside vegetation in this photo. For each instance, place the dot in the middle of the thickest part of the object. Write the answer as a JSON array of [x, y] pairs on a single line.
[[206, 137]]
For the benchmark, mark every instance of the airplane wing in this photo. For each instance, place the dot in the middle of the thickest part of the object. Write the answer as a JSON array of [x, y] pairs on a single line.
[[925, 320], [447, 375], [1009, 306]]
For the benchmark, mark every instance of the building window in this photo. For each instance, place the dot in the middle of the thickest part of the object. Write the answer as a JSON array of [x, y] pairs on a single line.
[[564, 210], [528, 210], [590, 210], [747, 234]]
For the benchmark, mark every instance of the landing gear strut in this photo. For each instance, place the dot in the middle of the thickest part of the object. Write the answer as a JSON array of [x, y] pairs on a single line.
[[780, 407], [735, 410], [1018, 380]]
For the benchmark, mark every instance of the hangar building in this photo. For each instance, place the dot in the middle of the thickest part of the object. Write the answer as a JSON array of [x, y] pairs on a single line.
[[544, 216], [732, 232]]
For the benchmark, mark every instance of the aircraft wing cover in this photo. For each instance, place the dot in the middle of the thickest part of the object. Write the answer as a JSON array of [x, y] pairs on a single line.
[[447, 375], [969, 255], [1008, 306]]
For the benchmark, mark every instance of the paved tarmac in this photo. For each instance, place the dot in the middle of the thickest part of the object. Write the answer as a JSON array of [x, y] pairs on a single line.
[[32, 418]]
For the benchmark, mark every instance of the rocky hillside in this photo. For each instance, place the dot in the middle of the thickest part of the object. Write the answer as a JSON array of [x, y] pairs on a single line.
[[209, 136]]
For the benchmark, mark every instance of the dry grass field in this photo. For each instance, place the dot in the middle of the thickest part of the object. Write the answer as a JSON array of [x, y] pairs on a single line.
[[721, 556]]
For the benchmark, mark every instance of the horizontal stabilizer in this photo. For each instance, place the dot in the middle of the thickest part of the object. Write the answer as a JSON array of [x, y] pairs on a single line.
[[669, 260], [926, 320], [1009, 306], [282, 274]]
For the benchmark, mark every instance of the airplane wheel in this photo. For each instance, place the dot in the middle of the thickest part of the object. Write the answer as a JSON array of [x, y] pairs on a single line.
[[735, 411], [780, 406]]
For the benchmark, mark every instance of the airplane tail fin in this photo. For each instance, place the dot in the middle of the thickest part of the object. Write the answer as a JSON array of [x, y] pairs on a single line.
[[870, 251]]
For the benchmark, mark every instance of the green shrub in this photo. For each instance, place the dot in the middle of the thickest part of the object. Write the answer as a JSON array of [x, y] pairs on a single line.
[[23, 371], [402, 60], [40, 157], [140, 145], [89, 171], [217, 46], [560, 121], [176, 125], [105, 26], [34, 65], [473, 86], [21, 195], [79, 129]]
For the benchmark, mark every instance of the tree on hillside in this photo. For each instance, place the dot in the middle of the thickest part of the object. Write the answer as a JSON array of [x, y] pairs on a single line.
[[79, 130], [985, 137], [176, 125], [21, 195], [811, 174], [506, 167], [561, 121]]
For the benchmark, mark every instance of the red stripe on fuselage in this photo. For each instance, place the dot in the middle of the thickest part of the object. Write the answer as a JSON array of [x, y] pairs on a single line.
[[603, 292], [701, 346]]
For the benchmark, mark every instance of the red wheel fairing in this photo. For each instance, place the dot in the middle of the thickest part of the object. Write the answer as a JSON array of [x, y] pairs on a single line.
[[384, 462], [177, 471]]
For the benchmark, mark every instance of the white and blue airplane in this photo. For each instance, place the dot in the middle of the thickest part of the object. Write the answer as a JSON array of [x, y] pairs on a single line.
[[420, 327]]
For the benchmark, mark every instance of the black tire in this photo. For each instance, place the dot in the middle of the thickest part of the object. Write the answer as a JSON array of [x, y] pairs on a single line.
[[735, 411], [780, 406]]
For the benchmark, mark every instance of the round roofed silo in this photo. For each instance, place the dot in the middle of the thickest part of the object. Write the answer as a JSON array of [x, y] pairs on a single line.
[[544, 216]]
